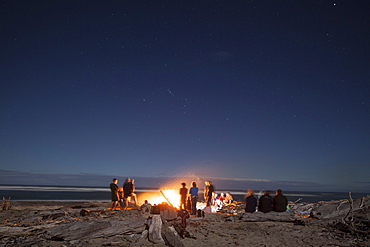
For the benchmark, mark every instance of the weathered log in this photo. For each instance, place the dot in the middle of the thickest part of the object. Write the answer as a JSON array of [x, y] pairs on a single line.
[[155, 230], [51, 215], [271, 216], [18, 231], [96, 229], [170, 237], [339, 209]]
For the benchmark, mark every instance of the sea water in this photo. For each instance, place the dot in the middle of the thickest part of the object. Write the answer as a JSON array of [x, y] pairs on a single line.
[[65, 193]]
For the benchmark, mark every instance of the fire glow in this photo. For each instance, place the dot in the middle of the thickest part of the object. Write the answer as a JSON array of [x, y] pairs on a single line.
[[172, 196]]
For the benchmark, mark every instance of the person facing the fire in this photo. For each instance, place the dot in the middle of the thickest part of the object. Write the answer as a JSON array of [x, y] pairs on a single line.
[[194, 197], [128, 190], [208, 191], [146, 207], [183, 193]]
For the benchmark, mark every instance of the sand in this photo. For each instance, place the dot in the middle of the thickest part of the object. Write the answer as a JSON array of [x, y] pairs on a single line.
[[62, 224]]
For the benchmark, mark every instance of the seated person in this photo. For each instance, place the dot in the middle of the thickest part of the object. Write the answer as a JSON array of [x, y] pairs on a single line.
[[280, 202], [250, 202], [228, 198], [222, 197], [265, 202], [146, 207]]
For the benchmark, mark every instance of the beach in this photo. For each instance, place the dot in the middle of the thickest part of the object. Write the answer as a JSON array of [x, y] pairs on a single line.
[[93, 223]]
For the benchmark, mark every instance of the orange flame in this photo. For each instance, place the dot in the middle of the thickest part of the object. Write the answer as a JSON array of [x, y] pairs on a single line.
[[156, 198]]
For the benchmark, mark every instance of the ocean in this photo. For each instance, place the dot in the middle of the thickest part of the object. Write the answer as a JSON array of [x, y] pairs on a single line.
[[71, 193]]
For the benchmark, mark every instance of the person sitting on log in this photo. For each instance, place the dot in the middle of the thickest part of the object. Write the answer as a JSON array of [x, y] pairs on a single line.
[[228, 198], [146, 207], [265, 202], [280, 202], [250, 202]]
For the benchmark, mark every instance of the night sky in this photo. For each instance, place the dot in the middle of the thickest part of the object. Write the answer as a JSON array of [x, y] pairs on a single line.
[[273, 90]]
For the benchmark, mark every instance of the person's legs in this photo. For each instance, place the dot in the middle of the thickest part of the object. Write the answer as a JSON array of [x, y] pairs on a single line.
[[114, 205], [208, 201], [126, 203], [194, 200], [134, 197], [122, 203]]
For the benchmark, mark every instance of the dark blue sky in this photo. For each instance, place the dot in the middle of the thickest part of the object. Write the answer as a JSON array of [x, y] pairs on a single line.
[[275, 90]]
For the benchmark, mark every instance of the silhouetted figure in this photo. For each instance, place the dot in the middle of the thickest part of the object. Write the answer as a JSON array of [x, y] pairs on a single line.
[[280, 202], [128, 191], [184, 194], [208, 192], [194, 197], [114, 193], [250, 202], [265, 202]]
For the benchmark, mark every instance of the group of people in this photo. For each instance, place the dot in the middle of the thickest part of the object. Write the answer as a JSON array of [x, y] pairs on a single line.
[[266, 202], [188, 201], [189, 198], [122, 195]]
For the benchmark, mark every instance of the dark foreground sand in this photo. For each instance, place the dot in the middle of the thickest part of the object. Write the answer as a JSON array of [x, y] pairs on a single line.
[[63, 224]]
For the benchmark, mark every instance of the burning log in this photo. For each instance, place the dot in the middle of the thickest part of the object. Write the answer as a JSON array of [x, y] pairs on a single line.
[[165, 198]]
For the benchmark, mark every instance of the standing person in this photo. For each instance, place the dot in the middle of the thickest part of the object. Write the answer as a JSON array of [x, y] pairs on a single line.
[[250, 202], [133, 194], [183, 193], [194, 197], [208, 192], [128, 190], [121, 197], [114, 192], [279, 202], [265, 202]]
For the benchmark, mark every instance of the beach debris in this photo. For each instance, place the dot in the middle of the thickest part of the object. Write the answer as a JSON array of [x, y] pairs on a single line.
[[344, 221], [84, 212], [155, 229], [287, 216], [83, 230], [170, 237], [357, 220]]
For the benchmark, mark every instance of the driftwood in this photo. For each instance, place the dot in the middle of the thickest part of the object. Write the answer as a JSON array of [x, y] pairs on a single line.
[[340, 210], [155, 229], [22, 231], [170, 236], [96, 229], [260, 217]]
